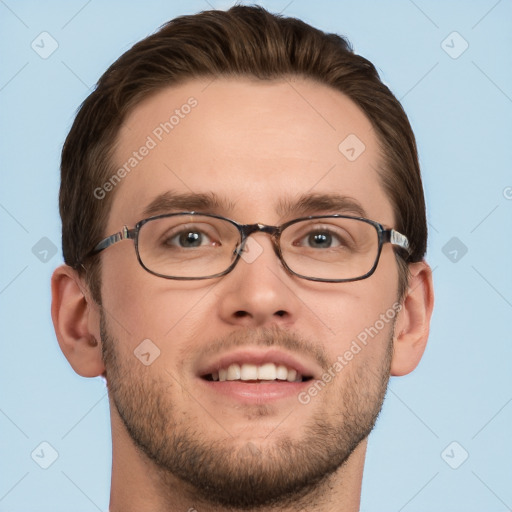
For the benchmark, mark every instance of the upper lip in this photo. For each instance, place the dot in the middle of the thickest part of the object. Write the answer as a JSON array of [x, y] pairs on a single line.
[[259, 357]]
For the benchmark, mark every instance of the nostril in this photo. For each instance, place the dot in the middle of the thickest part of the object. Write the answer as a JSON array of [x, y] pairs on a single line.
[[241, 314], [280, 313]]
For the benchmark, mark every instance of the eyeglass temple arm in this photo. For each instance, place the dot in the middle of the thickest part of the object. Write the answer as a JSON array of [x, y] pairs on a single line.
[[124, 234], [396, 238]]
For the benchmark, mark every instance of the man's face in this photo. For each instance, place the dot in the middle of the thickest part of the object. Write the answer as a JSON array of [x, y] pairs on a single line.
[[256, 146]]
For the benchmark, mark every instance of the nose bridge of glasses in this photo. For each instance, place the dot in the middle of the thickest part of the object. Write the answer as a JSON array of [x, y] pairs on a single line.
[[249, 229]]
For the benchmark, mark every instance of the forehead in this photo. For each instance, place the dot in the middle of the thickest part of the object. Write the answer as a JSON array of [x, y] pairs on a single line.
[[256, 145]]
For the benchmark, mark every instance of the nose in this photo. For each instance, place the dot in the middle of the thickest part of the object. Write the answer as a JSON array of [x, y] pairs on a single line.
[[258, 291]]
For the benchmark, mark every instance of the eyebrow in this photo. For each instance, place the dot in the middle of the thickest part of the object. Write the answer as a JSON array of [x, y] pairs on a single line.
[[171, 202], [306, 204], [311, 204]]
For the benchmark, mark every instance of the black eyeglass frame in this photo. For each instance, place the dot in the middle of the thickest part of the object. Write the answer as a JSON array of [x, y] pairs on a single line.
[[384, 236]]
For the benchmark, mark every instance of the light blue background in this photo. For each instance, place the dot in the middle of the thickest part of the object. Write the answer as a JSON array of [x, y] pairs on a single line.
[[461, 111]]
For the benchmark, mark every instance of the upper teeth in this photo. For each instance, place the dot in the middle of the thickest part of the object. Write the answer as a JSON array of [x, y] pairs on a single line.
[[267, 371]]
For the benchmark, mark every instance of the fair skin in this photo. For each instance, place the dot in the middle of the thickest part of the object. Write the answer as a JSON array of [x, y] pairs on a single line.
[[252, 144]]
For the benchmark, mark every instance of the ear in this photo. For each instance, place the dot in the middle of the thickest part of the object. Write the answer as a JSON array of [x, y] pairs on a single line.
[[413, 323], [76, 322]]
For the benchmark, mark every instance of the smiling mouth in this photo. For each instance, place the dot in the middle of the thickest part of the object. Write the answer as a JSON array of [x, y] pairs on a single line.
[[252, 373]]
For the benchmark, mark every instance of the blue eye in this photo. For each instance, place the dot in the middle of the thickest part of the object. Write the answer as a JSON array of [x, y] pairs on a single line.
[[320, 240], [188, 239]]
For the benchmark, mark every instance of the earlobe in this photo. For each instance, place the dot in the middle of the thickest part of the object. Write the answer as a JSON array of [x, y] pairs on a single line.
[[413, 324], [76, 322]]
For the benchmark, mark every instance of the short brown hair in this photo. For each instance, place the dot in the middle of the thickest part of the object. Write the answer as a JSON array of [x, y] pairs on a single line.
[[241, 42]]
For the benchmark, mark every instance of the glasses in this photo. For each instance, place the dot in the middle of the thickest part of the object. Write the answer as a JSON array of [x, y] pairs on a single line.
[[191, 245]]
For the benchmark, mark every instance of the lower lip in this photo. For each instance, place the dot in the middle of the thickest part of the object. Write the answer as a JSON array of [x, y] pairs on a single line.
[[256, 392]]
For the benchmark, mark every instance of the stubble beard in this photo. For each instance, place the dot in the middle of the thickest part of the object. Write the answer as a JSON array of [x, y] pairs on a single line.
[[238, 475]]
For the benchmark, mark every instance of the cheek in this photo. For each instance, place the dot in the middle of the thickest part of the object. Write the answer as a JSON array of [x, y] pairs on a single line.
[[355, 314], [146, 306], [344, 313]]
